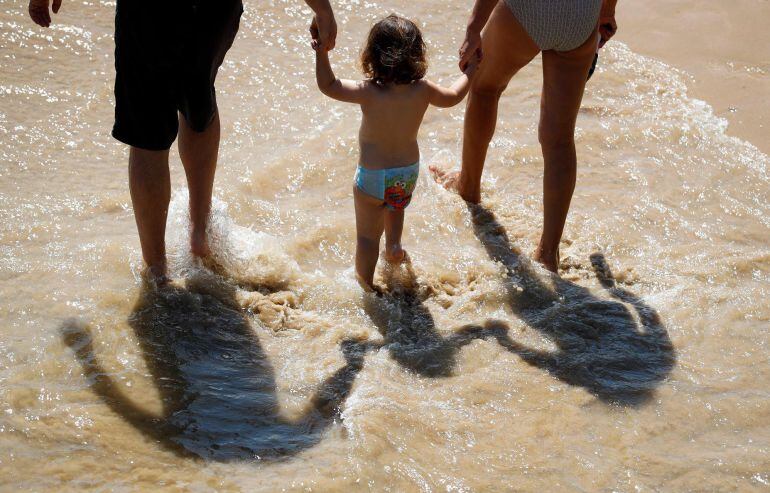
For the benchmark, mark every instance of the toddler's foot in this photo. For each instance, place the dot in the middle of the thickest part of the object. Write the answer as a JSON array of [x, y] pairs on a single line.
[[368, 287], [395, 254]]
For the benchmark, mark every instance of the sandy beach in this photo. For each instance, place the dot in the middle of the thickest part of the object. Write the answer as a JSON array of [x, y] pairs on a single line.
[[641, 368], [724, 48]]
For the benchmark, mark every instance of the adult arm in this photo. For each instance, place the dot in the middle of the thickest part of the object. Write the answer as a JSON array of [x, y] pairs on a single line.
[[323, 28], [471, 46], [607, 25], [348, 91], [38, 11]]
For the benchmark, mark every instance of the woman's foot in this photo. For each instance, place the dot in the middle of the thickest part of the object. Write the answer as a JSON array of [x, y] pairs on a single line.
[[450, 179], [548, 259], [395, 254]]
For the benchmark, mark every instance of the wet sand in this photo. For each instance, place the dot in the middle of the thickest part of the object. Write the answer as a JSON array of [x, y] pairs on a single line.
[[723, 46], [643, 368]]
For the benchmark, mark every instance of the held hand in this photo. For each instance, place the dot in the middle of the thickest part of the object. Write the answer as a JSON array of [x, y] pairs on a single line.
[[607, 25], [38, 11], [470, 50], [323, 31], [472, 65]]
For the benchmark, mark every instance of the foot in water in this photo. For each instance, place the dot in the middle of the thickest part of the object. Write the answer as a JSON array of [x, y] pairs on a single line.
[[395, 254], [199, 245], [202, 256], [368, 288], [155, 276], [450, 179], [549, 260]]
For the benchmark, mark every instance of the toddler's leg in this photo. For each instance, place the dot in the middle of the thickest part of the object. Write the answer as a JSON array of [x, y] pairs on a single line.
[[394, 226], [369, 226]]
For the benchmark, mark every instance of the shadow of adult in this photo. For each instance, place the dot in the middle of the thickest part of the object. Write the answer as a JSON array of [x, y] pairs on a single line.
[[617, 348], [216, 384], [409, 330]]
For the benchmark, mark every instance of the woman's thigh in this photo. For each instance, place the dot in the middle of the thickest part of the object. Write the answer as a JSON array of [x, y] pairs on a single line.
[[564, 78], [506, 48]]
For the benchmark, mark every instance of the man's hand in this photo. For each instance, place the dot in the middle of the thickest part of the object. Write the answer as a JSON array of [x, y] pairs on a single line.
[[470, 49], [38, 11], [323, 30], [607, 25]]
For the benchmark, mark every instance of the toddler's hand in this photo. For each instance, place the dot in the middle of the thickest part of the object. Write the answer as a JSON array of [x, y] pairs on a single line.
[[318, 47], [470, 49], [323, 31], [472, 64]]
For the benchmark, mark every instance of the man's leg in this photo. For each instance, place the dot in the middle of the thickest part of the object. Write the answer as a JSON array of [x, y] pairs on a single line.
[[199, 151], [507, 48], [564, 79], [150, 187]]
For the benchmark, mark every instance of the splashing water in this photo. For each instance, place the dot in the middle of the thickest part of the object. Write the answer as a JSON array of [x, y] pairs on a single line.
[[641, 368]]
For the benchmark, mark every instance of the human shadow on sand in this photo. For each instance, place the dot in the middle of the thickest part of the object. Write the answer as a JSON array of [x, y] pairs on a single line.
[[409, 330], [217, 386], [617, 349]]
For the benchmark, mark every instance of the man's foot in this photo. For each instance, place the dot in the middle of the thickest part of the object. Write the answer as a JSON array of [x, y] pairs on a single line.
[[199, 245], [156, 276], [450, 179], [210, 263], [549, 260], [395, 254]]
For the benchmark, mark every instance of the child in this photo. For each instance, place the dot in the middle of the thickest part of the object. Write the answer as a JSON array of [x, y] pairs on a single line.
[[393, 100]]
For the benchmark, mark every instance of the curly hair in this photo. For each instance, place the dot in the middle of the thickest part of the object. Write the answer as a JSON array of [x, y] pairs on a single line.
[[394, 52]]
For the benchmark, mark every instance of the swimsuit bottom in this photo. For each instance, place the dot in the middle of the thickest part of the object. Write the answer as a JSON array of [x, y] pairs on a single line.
[[560, 25], [394, 186]]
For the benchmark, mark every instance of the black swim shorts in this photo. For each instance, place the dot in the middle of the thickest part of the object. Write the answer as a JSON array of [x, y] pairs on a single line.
[[167, 54]]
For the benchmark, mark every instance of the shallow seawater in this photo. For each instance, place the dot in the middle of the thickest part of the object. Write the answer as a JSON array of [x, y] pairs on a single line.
[[644, 367]]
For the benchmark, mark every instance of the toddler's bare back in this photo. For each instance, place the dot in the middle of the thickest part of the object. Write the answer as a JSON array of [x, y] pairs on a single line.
[[392, 115]]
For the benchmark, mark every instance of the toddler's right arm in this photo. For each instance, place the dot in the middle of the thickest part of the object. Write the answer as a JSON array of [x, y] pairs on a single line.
[[349, 91]]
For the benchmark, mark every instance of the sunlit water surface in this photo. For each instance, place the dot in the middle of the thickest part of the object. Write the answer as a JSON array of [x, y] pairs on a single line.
[[644, 368]]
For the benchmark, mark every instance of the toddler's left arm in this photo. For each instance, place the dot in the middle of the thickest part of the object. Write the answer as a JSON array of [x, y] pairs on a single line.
[[444, 97]]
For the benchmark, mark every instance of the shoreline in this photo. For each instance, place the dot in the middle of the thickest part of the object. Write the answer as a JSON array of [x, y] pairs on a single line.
[[725, 51]]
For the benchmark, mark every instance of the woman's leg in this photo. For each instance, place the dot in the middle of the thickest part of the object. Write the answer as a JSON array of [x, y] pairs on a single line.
[[564, 79], [506, 48], [394, 226], [369, 227]]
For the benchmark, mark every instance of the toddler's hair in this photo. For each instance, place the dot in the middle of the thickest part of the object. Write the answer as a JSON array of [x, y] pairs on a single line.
[[394, 52]]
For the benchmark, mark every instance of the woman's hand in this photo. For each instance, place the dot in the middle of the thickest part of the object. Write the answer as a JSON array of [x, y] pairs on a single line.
[[607, 25], [470, 50], [38, 11]]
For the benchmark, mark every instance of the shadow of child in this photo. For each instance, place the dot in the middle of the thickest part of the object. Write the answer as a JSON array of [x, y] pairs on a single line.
[[409, 329]]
